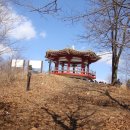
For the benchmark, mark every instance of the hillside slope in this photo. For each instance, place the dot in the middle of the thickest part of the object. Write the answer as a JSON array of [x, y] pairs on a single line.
[[60, 103]]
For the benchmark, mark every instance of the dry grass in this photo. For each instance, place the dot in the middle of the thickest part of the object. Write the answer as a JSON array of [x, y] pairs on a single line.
[[60, 103], [8, 75]]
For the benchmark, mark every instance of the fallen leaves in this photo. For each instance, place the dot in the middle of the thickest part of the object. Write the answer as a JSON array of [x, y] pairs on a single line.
[[68, 103]]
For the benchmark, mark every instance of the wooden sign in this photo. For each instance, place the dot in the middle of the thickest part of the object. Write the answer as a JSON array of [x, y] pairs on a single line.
[[36, 65], [17, 63]]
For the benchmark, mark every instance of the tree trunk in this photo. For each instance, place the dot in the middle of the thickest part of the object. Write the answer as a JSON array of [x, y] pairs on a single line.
[[115, 62]]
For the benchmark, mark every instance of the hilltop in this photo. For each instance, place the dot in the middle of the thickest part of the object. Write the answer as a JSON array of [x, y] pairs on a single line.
[[61, 103]]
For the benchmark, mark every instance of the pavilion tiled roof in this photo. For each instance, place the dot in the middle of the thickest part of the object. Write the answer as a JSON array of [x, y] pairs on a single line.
[[50, 54]]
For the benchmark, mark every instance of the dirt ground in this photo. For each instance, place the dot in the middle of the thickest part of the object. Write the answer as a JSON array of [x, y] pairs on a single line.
[[60, 103]]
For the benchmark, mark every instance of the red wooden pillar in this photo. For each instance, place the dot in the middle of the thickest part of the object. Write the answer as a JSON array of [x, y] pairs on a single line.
[[56, 66], [62, 67], [68, 66], [74, 68], [83, 67]]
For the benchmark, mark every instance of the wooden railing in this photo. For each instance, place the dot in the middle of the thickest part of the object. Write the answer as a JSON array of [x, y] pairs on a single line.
[[79, 71]]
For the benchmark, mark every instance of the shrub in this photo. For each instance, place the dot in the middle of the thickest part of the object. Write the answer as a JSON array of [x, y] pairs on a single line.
[[7, 74], [128, 83]]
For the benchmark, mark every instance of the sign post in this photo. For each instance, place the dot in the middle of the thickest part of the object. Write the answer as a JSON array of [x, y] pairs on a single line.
[[29, 77]]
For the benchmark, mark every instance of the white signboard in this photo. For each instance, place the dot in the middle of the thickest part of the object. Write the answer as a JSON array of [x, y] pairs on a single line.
[[35, 64], [17, 63]]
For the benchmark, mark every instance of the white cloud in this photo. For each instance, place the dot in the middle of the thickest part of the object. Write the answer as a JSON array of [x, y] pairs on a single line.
[[43, 34], [106, 57], [24, 31], [18, 26]]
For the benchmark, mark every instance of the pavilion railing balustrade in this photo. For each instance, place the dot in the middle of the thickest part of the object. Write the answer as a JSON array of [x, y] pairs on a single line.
[[76, 71]]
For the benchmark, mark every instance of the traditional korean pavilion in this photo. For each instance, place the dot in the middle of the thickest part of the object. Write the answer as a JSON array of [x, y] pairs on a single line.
[[73, 63]]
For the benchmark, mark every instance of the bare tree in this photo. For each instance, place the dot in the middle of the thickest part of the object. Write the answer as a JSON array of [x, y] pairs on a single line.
[[40, 6], [124, 5], [109, 23], [7, 19], [6, 25]]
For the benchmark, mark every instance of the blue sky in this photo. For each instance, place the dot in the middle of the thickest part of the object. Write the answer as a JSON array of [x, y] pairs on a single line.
[[40, 34]]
